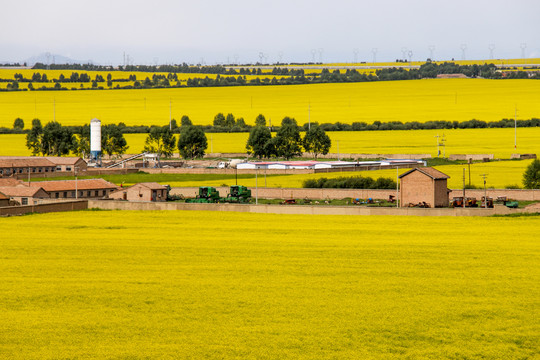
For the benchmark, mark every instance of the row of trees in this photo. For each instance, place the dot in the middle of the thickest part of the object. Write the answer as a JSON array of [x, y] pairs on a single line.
[[56, 140], [287, 143]]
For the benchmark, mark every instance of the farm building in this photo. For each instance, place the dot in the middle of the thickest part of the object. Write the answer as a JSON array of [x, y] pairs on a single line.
[[68, 163], [150, 191], [4, 200], [424, 185], [22, 165], [24, 195], [68, 189], [315, 165]]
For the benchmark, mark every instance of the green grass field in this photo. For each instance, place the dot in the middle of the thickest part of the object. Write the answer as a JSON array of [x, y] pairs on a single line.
[[190, 285]]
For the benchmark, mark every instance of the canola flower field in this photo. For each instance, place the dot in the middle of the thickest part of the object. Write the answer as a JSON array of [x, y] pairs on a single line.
[[413, 100], [133, 285], [499, 142], [500, 174]]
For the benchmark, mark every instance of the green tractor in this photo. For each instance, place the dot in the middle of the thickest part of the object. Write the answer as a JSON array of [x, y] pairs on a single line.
[[238, 194], [207, 194]]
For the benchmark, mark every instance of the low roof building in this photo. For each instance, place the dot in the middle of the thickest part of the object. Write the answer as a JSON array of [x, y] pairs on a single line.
[[24, 195], [84, 188], [18, 165], [64, 163], [150, 191], [4, 200]]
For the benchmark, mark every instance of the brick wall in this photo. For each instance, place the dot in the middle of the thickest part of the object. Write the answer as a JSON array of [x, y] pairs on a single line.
[[44, 208]]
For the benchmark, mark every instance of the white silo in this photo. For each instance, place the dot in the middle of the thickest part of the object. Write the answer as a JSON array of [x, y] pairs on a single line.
[[95, 140]]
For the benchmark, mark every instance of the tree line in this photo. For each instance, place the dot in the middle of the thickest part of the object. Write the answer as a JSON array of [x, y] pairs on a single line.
[[291, 76], [229, 123]]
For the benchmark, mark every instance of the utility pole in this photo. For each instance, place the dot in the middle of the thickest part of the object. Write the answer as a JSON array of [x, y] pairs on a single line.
[[438, 151], [464, 188], [309, 115], [469, 162], [515, 128], [484, 176], [397, 186], [256, 185]]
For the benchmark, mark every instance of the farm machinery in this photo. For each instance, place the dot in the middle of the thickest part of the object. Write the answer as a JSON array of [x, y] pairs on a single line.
[[208, 194], [238, 194], [469, 202]]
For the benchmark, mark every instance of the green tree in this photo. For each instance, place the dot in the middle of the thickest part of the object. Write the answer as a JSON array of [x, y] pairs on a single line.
[[192, 142], [316, 141], [185, 121], [18, 124], [257, 143], [260, 120], [160, 141], [230, 121], [57, 140], [112, 140], [33, 138], [219, 120], [531, 176], [81, 142], [287, 141]]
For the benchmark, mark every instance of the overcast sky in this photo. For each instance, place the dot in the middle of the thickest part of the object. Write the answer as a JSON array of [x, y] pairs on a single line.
[[167, 31]]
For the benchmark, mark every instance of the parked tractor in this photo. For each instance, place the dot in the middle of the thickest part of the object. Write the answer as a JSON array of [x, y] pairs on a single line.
[[489, 202], [207, 194], [238, 194], [469, 202]]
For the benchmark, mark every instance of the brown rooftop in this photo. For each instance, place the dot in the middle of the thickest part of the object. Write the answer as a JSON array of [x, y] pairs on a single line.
[[69, 185], [63, 160], [10, 182], [3, 197], [151, 185], [429, 171], [16, 162], [21, 191]]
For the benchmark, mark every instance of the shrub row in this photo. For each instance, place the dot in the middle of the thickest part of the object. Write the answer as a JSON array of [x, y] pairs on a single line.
[[353, 182]]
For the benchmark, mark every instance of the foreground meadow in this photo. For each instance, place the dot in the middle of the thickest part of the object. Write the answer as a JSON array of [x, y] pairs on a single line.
[[196, 285], [414, 100]]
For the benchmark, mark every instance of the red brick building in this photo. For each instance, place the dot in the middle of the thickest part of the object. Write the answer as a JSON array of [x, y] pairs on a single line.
[[424, 185]]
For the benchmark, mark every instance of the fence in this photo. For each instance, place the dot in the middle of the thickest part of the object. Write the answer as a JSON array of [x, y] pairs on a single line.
[[44, 208]]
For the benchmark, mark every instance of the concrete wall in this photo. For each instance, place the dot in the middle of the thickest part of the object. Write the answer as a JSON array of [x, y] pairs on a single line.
[[296, 193], [44, 208], [474, 157], [302, 209], [300, 193]]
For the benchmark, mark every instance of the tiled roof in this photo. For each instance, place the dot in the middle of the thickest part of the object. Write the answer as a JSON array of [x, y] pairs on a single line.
[[16, 162], [69, 185], [63, 160], [10, 182], [152, 185], [429, 171], [3, 197], [21, 191]]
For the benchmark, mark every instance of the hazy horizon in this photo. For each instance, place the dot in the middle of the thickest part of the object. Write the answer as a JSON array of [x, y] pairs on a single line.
[[241, 31]]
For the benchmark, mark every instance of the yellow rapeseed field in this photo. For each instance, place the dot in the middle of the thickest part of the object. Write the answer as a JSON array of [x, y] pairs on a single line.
[[207, 285], [414, 100], [499, 142]]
